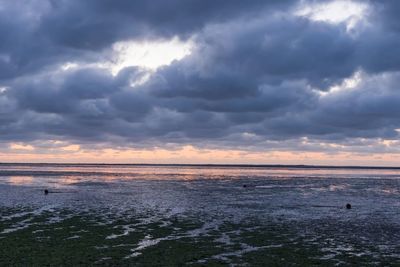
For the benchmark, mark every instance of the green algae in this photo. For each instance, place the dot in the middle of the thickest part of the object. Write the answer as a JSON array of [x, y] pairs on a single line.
[[66, 238]]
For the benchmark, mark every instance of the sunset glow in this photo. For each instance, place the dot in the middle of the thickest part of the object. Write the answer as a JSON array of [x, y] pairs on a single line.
[[192, 155]]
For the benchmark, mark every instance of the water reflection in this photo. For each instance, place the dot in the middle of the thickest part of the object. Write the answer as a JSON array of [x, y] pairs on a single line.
[[148, 172], [20, 180]]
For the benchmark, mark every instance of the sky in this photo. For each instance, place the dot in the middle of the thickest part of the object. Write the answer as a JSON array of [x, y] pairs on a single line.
[[193, 81]]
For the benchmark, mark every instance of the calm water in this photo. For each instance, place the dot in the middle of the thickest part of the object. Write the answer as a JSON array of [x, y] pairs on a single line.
[[296, 207]]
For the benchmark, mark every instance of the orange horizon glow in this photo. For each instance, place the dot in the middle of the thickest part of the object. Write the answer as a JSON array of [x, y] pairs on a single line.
[[191, 155]]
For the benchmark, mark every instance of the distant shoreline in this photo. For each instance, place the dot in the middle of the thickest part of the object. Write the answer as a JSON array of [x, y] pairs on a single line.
[[206, 165]]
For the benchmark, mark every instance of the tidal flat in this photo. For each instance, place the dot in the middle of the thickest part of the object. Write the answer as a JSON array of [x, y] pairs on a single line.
[[172, 216]]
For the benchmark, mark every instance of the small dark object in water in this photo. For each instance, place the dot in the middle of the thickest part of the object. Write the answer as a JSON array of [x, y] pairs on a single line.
[[348, 206], [245, 185], [46, 192]]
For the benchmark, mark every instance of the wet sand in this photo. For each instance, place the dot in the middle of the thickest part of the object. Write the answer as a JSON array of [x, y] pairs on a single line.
[[148, 215]]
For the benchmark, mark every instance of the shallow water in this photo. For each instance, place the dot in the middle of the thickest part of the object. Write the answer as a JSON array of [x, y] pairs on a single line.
[[124, 214]]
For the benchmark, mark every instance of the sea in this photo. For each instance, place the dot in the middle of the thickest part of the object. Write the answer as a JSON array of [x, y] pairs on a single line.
[[198, 215]]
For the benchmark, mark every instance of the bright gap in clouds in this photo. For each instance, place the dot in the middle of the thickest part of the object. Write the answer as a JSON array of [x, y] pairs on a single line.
[[347, 84], [350, 12], [150, 55], [21, 146]]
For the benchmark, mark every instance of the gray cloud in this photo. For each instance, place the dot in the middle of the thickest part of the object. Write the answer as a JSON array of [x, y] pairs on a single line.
[[257, 75]]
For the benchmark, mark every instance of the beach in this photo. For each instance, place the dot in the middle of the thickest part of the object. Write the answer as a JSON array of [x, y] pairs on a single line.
[[145, 215]]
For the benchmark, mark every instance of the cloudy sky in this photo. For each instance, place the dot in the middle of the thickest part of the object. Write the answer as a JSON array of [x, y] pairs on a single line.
[[194, 81]]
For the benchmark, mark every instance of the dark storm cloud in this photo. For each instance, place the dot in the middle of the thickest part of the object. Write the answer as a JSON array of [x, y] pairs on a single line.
[[94, 24], [37, 34], [62, 94], [229, 64], [388, 14], [257, 74], [25, 47]]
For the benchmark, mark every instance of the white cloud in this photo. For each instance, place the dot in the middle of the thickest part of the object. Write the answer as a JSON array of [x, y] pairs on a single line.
[[150, 55], [69, 65], [3, 89], [347, 84], [21, 146], [341, 11]]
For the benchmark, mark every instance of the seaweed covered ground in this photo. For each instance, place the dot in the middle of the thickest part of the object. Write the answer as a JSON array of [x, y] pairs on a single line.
[[62, 237], [199, 218]]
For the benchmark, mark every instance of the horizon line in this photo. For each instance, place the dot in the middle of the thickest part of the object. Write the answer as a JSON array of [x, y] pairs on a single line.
[[294, 166]]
